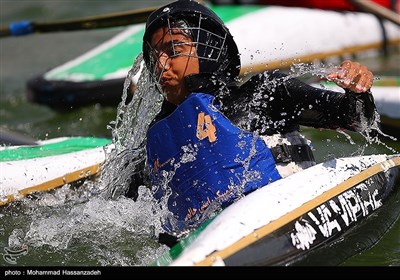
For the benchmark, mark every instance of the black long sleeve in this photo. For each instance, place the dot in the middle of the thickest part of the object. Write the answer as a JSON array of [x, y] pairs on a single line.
[[272, 102]]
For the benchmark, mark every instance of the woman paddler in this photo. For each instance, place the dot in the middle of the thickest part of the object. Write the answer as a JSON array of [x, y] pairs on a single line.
[[215, 139]]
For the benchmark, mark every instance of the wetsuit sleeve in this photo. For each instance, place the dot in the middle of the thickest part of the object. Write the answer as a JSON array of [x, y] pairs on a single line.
[[281, 103], [323, 108]]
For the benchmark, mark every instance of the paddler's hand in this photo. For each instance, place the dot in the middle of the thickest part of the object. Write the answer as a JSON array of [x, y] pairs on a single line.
[[353, 76]]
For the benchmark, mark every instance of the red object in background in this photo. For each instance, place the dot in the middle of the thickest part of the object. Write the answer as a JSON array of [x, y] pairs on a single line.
[[329, 5]]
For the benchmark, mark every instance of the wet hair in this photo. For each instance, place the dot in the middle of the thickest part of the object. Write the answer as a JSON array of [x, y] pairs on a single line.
[[216, 50]]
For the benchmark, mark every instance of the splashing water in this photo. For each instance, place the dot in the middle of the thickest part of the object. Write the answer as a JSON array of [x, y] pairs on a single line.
[[95, 224], [128, 153], [133, 117], [97, 232], [129, 132], [370, 132]]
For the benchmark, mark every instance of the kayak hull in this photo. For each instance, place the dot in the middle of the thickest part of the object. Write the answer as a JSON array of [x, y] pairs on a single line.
[[67, 95], [263, 252], [307, 218], [48, 165]]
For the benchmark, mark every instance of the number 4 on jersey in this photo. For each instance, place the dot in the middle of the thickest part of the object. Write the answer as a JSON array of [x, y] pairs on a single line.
[[205, 128]]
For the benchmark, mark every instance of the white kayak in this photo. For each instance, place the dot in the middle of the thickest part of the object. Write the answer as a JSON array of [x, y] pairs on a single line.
[[317, 216], [48, 164]]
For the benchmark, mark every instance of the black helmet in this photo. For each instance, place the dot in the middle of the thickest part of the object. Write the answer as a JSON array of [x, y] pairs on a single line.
[[216, 49]]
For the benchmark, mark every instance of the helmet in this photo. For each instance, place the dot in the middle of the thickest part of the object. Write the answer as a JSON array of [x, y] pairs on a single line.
[[215, 47]]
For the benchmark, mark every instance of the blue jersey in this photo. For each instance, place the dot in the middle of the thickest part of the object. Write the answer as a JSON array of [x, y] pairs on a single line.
[[199, 158]]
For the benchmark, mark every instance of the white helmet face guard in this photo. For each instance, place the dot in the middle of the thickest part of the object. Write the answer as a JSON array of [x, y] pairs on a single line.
[[205, 45]]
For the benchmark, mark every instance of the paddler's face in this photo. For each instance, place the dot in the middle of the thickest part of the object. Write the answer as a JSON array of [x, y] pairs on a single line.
[[175, 58]]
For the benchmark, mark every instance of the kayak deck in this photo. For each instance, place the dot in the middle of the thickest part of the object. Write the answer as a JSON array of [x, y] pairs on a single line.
[[288, 221], [48, 164]]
